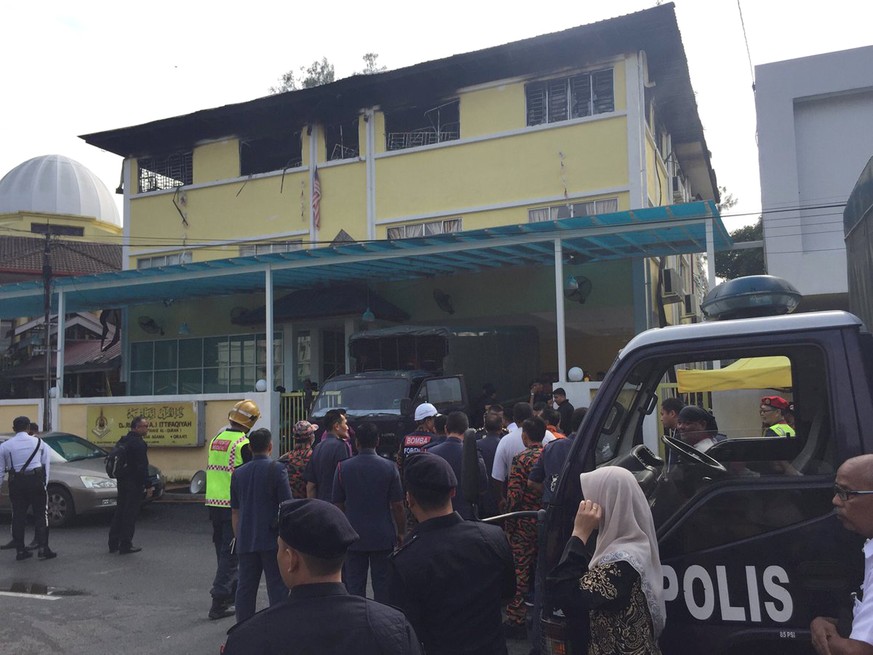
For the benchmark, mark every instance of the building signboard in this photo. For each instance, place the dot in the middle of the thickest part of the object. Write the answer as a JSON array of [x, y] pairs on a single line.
[[172, 424]]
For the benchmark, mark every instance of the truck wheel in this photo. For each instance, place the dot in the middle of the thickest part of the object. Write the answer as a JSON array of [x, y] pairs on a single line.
[[60, 507]]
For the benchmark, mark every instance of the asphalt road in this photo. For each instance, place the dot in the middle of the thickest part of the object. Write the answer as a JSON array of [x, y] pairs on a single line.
[[88, 601]]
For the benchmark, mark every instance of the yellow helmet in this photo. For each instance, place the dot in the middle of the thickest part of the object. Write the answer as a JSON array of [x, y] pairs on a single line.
[[245, 413]]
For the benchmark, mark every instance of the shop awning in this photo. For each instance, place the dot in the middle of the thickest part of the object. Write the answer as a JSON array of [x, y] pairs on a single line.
[[746, 373]]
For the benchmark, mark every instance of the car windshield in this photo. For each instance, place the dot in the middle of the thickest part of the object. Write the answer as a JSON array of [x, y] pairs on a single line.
[[362, 396], [72, 448]]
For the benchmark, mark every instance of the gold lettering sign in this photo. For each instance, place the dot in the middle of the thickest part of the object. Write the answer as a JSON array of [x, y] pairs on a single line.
[[170, 424]]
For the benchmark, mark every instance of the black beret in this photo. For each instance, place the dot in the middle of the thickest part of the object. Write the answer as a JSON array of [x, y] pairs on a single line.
[[315, 527], [695, 413], [429, 471]]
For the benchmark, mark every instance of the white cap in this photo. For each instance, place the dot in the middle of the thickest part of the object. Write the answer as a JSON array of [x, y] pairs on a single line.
[[425, 410]]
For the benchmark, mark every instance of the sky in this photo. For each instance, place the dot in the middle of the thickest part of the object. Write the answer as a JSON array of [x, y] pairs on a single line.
[[72, 68]]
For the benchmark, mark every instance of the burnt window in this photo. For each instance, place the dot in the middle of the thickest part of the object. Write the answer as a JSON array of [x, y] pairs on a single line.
[[422, 126], [265, 154], [167, 172], [62, 230], [551, 101], [341, 140]]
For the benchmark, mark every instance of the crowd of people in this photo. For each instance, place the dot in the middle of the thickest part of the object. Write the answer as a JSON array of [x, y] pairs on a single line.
[[462, 586], [328, 514]]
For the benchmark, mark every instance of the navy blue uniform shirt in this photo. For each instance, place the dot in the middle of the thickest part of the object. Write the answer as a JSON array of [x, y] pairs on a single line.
[[452, 450], [257, 500], [324, 618], [450, 578], [322, 465], [368, 484]]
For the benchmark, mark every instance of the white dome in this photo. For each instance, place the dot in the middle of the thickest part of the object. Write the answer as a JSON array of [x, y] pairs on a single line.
[[54, 184]]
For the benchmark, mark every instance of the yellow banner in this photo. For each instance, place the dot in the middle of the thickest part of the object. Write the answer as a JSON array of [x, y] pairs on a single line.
[[170, 424]]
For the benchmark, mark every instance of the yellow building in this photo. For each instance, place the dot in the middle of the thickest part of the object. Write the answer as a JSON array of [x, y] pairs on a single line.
[[589, 121]]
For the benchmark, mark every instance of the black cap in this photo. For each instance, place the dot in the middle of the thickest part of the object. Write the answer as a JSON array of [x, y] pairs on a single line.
[[315, 527], [698, 414], [429, 471]]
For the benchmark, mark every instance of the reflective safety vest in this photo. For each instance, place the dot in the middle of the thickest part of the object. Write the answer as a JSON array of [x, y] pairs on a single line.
[[225, 454], [780, 430]]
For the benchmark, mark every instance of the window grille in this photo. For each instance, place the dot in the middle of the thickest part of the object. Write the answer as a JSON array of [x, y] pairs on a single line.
[[156, 173], [341, 140], [571, 210], [253, 249], [426, 229], [564, 98], [164, 260]]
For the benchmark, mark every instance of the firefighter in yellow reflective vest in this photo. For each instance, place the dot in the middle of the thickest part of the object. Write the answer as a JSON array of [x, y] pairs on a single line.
[[775, 423], [227, 450]]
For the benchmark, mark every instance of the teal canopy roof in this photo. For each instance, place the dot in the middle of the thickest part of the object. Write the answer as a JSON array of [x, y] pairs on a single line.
[[651, 232]]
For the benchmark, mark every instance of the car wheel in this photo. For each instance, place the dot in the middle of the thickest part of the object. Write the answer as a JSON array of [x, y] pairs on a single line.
[[60, 507]]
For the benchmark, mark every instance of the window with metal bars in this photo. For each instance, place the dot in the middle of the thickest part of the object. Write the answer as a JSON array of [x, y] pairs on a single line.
[[252, 249], [570, 210], [561, 99], [426, 229], [413, 127], [164, 260], [341, 140], [168, 172]]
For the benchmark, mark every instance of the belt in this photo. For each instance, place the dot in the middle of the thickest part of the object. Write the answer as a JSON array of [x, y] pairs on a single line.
[[31, 471]]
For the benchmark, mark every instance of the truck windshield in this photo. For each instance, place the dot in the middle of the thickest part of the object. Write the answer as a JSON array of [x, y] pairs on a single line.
[[361, 396]]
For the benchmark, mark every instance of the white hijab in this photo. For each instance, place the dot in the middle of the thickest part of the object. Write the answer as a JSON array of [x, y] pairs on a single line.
[[627, 532]]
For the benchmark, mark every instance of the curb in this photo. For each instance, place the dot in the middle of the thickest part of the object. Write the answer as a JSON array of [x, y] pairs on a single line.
[[180, 495]]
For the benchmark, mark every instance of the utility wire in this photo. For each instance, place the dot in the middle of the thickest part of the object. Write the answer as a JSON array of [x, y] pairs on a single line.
[[746, 39]]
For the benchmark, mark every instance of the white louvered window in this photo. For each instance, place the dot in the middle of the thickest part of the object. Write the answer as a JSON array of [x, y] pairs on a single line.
[[564, 98]]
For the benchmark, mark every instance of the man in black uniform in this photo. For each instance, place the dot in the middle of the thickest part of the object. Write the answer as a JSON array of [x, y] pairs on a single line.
[[26, 460], [451, 576], [320, 616], [132, 483]]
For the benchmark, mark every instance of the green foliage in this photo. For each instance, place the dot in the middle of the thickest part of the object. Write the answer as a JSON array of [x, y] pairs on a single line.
[[370, 65], [727, 199], [730, 264], [317, 73], [322, 72]]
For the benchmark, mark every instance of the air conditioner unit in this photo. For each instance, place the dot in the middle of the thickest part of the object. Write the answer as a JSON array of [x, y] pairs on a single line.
[[691, 308], [672, 282]]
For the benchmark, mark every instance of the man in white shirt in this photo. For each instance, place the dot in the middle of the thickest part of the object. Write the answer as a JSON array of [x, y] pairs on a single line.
[[26, 460], [511, 445], [853, 500]]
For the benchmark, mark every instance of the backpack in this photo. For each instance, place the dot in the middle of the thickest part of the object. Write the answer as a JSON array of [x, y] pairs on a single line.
[[116, 460]]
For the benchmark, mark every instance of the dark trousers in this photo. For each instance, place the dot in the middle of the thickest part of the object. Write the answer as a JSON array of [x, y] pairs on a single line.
[[358, 562], [28, 492], [251, 565], [126, 510], [224, 583]]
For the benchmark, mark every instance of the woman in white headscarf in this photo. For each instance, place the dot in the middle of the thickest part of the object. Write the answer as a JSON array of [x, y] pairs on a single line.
[[609, 584]]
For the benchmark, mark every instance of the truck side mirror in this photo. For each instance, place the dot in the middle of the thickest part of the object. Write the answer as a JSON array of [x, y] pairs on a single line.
[[405, 406]]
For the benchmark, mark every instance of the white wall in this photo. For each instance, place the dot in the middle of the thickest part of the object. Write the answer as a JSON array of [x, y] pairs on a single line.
[[814, 137]]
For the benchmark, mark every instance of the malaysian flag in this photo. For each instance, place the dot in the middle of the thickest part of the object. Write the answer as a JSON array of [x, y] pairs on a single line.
[[316, 200]]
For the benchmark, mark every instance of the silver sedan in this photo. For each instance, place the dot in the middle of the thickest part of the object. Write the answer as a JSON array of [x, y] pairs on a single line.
[[78, 483]]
